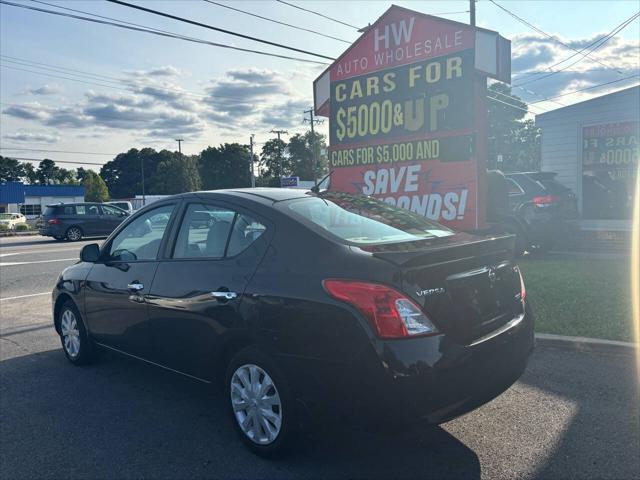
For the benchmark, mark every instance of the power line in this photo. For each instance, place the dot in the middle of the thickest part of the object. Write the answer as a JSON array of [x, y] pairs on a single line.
[[588, 88], [319, 14], [506, 103], [277, 21], [592, 46], [161, 33], [510, 97], [542, 32], [20, 149], [218, 29]]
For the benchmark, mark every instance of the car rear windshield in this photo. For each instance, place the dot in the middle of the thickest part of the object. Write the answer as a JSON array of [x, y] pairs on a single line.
[[363, 220], [50, 211]]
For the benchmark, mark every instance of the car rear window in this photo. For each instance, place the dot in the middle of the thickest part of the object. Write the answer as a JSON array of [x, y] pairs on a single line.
[[362, 220]]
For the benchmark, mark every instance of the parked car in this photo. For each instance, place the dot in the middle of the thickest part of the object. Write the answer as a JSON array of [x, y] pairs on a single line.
[[12, 220], [123, 205], [74, 221], [304, 303], [544, 207]]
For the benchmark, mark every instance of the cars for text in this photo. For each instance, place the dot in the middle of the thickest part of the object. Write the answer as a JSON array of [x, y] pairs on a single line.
[[301, 304]]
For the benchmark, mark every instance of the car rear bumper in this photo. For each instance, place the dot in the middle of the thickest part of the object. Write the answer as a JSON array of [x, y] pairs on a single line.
[[52, 231], [421, 380]]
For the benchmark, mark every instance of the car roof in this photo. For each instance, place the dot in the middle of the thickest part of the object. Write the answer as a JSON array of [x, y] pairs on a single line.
[[259, 194], [72, 204]]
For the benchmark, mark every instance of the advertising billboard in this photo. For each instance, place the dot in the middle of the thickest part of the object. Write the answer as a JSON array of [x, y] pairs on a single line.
[[407, 115], [610, 155]]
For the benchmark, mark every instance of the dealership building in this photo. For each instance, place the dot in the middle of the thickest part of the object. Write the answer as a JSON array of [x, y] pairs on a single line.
[[594, 148], [31, 200]]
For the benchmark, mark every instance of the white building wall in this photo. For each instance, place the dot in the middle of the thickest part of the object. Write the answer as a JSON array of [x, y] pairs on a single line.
[[562, 132]]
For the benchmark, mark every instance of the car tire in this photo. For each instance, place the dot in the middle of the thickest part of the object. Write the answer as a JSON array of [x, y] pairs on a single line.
[[73, 234], [76, 342], [268, 424]]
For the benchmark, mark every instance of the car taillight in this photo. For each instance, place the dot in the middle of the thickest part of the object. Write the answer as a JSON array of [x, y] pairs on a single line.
[[391, 314], [545, 200], [54, 221]]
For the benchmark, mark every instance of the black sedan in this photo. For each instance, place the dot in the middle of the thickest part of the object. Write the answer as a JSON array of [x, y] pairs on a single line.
[[300, 304]]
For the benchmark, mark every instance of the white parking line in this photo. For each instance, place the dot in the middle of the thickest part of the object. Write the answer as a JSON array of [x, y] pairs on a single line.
[[24, 296], [11, 264], [35, 252]]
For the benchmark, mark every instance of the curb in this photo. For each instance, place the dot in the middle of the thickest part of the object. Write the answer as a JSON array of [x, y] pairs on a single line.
[[585, 344]]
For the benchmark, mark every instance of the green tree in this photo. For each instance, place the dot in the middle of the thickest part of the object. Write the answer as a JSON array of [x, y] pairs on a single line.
[[30, 173], [274, 163], [517, 140], [47, 172], [66, 177], [95, 189], [227, 166], [176, 175], [11, 170], [301, 155], [123, 174]]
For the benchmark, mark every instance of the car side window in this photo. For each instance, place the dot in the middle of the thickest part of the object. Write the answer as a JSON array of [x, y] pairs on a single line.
[[246, 230], [113, 212], [140, 239], [73, 210], [93, 210], [204, 232], [514, 188]]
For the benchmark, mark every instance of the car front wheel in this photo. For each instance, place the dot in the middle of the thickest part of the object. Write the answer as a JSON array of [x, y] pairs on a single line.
[[260, 403], [76, 343]]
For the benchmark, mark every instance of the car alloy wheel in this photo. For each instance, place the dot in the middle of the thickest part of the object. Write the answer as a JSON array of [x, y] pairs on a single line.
[[70, 333], [74, 234], [256, 404]]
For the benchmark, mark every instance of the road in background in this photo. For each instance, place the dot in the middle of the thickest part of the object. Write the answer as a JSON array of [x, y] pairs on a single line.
[[572, 415], [30, 265]]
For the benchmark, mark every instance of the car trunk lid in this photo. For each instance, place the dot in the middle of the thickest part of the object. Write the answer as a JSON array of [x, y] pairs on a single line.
[[469, 286]]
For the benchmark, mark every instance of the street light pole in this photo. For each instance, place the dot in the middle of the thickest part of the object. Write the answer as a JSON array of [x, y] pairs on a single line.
[[253, 177], [279, 132], [144, 199]]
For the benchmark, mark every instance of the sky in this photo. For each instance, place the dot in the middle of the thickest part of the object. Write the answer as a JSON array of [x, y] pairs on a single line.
[[68, 85]]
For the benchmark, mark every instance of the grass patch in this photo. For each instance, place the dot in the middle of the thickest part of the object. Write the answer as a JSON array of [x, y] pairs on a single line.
[[581, 297]]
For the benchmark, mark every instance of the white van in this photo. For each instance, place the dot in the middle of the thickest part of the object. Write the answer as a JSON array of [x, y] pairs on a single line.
[[123, 204]]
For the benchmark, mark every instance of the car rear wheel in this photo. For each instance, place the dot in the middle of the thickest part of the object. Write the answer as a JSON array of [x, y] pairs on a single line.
[[73, 234], [77, 345], [260, 403]]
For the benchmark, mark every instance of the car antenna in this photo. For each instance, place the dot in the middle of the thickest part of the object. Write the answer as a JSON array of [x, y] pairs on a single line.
[[316, 188]]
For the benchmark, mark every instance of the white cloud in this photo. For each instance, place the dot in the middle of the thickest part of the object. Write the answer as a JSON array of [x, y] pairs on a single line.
[[31, 137]]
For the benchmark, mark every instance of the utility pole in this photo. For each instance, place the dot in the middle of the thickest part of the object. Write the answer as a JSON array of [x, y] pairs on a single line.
[[144, 199], [314, 150], [472, 11], [279, 132], [253, 177], [179, 140]]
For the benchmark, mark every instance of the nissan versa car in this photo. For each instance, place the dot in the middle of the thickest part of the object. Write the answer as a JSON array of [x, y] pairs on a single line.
[[304, 303]]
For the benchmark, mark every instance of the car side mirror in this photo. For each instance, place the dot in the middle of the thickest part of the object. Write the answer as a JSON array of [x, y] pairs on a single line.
[[90, 253]]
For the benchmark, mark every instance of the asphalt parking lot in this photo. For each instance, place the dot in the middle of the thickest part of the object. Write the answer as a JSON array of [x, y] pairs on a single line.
[[572, 415]]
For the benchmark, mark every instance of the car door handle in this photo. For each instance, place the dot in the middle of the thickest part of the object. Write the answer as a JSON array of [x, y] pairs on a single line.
[[224, 295], [135, 286]]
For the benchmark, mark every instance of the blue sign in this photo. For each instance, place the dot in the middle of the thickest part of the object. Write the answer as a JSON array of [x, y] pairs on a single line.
[[289, 181]]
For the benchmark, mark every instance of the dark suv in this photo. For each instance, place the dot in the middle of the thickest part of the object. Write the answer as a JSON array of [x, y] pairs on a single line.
[[543, 206], [73, 221]]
